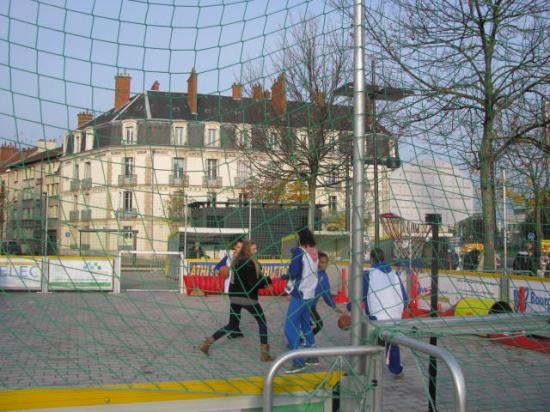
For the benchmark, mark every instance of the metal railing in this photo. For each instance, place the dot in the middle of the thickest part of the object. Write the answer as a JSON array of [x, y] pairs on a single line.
[[74, 215], [86, 183], [208, 181], [179, 180], [450, 361], [127, 180], [309, 352]]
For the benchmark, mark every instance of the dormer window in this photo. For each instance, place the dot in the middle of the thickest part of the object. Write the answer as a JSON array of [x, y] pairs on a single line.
[[211, 139], [77, 142], [129, 133], [244, 137], [89, 139], [179, 134]]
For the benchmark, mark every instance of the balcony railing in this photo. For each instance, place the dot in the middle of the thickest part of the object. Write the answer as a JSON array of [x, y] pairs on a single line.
[[126, 213], [127, 180], [75, 185], [241, 181], [74, 215], [179, 180], [86, 214], [86, 184], [210, 182]]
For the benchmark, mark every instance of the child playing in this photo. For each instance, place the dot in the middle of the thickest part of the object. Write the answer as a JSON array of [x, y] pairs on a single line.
[[322, 291]]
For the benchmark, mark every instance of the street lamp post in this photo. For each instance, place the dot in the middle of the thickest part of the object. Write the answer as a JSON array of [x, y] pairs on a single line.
[[374, 92], [45, 244]]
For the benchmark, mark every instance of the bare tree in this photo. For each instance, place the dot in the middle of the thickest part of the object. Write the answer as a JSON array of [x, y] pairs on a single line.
[[470, 63], [301, 139]]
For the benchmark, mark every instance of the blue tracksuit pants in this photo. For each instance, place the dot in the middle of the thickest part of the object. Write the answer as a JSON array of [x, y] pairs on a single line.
[[393, 359], [298, 323]]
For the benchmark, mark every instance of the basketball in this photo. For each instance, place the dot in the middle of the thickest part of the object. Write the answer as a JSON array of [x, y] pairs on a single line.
[[224, 272], [344, 321]]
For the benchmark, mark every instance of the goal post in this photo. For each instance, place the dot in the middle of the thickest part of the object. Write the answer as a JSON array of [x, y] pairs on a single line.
[[161, 279]]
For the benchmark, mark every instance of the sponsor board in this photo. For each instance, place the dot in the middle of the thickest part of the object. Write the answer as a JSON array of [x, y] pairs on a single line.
[[270, 267], [537, 293], [22, 273], [455, 286], [83, 273]]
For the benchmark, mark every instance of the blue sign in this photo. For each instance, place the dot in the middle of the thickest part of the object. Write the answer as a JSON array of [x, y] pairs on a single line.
[[531, 236], [67, 234]]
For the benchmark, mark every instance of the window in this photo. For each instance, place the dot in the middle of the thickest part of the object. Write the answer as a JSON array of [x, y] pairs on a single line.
[[128, 166], [332, 203], [87, 201], [77, 140], [127, 200], [127, 233], [76, 173], [89, 139], [211, 137], [244, 137], [243, 169], [178, 137], [129, 136], [88, 170], [212, 168], [272, 139], [333, 177], [178, 166], [75, 202], [211, 198]]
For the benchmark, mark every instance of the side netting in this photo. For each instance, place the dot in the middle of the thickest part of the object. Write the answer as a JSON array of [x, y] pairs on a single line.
[[153, 146]]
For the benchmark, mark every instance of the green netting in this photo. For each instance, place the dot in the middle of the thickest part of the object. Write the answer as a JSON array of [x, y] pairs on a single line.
[[141, 139]]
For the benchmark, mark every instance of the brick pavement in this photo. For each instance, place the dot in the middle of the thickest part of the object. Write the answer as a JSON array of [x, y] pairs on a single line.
[[83, 339]]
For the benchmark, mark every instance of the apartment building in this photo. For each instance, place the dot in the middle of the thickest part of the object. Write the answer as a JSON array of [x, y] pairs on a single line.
[[30, 185], [121, 178]]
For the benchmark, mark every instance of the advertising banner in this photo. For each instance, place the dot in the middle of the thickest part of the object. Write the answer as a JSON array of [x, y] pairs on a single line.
[[536, 290], [456, 286], [21, 273], [81, 273]]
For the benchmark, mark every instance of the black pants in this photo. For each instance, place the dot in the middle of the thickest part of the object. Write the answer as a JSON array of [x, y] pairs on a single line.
[[316, 321], [235, 318]]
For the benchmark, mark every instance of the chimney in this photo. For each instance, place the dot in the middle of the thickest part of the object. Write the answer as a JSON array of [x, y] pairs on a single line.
[[7, 151], [236, 91], [122, 89], [257, 92], [155, 86], [84, 117], [44, 144], [278, 95], [192, 91]]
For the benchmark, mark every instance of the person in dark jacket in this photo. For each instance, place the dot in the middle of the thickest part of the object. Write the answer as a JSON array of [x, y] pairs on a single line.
[[243, 294]]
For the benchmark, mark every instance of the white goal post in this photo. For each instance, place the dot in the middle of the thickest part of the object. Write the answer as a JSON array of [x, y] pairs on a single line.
[[118, 266]]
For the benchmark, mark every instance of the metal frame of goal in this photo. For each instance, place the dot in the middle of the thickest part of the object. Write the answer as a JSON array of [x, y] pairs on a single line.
[[175, 266]]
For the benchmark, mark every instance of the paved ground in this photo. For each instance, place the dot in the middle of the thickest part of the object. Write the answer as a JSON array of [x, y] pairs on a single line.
[[79, 339]]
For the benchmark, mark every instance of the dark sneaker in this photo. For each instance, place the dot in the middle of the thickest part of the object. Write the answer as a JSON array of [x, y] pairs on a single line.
[[235, 335], [312, 361], [399, 376], [295, 369]]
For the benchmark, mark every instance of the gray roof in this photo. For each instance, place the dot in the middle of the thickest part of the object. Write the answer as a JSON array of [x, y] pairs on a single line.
[[161, 105]]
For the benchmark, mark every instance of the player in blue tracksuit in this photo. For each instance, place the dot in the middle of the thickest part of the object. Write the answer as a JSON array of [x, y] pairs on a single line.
[[384, 296], [322, 291], [302, 285]]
